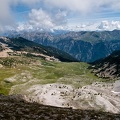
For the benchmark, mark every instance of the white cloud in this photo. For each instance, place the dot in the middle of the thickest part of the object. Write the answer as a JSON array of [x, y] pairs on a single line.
[[97, 26], [106, 25], [42, 20], [46, 19], [23, 27], [38, 19], [30, 2], [84, 6], [60, 18], [5, 8], [5, 13]]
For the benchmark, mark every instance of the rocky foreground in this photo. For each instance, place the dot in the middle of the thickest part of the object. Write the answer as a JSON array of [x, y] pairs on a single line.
[[97, 96], [16, 108]]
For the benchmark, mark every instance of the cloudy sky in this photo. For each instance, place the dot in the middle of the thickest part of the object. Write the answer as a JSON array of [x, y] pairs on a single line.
[[50, 14]]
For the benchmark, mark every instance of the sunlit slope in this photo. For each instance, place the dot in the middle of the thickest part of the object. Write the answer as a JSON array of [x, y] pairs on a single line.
[[31, 70]]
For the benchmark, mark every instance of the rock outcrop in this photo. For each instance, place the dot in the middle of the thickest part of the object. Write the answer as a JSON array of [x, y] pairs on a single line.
[[108, 67]]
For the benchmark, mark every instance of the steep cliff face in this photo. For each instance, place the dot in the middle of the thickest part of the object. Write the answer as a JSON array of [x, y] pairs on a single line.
[[85, 46]]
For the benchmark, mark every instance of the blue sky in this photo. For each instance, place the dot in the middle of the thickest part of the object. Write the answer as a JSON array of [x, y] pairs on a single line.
[[46, 14], [21, 12]]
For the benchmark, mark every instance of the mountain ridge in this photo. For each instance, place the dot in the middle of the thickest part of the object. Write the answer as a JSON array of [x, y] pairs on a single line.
[[21, 44], [87, 46]]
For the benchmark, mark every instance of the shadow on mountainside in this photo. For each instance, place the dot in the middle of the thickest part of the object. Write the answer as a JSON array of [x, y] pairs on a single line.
[[14, 107]]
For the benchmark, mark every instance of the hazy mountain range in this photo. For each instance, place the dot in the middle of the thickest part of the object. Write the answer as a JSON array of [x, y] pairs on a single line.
[[85, 45]]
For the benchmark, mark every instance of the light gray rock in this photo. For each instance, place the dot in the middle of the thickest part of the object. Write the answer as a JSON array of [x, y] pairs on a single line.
[[117, 86]]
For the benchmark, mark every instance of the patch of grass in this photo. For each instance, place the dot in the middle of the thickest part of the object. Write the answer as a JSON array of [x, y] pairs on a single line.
[[13, 66], [76, 74], [6, 73], [45, 72]]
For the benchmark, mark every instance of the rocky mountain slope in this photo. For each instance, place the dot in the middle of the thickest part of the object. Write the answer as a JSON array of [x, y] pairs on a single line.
[[16, 108], [108, 67], [59, 84], [26, 70], [27, 47], [85, 46]]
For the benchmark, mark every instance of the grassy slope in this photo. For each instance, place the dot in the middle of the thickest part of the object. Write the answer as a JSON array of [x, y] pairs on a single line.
[[29, 71]]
